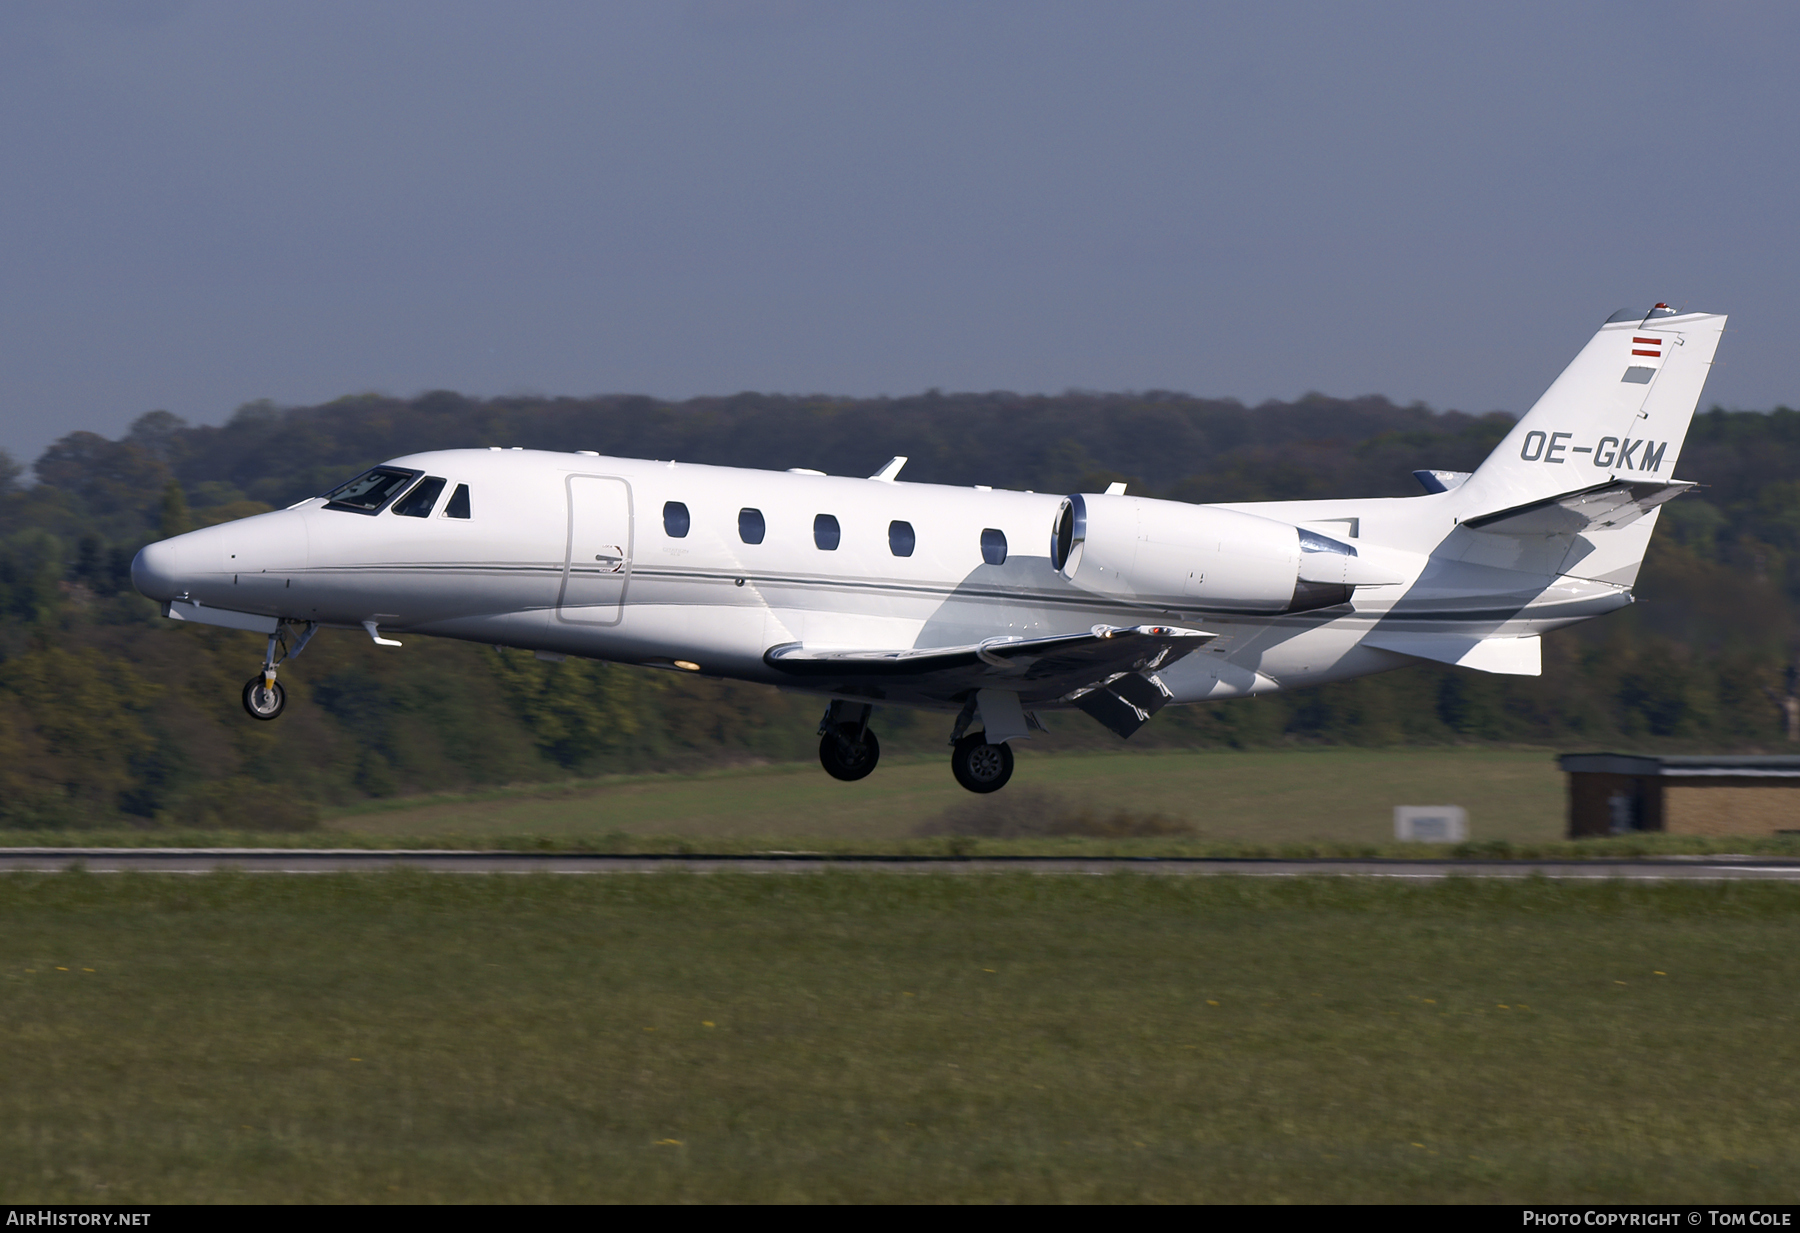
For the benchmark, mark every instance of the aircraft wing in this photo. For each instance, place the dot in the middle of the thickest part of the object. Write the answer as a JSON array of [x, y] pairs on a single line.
[[1037, 669], [1616, 503]]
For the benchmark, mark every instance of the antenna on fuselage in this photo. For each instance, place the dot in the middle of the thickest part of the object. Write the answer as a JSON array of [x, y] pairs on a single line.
[[890, 469]]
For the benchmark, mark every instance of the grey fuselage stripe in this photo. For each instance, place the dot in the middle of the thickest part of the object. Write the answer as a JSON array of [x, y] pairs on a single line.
[[1399, 612]]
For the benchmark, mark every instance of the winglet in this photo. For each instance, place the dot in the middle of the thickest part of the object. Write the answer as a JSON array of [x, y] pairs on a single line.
[[890, 470]]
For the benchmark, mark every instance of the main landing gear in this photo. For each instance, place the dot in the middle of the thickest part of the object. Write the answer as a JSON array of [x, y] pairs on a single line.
[[264, 698], [979, 766], [847, 749]]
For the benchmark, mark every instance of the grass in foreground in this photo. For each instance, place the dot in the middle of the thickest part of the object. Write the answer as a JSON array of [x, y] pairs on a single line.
[[872, 1038]]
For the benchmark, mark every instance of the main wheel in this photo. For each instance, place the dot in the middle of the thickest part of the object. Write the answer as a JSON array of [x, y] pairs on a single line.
[[263, 702], [979, 766], [844, 757]]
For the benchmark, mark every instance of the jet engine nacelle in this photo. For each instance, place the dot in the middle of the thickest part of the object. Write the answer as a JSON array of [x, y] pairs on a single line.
[[1200, 556]]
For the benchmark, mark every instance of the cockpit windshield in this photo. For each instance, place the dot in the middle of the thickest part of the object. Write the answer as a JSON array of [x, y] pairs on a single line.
[[368, 492], [418, 502]]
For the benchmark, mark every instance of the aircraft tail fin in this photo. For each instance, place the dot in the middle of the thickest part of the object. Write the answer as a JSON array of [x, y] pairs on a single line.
[[1619, 411], [1595, 457]]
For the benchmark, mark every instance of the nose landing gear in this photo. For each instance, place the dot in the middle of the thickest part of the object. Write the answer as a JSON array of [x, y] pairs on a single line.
[[264, 698], [847, 749]]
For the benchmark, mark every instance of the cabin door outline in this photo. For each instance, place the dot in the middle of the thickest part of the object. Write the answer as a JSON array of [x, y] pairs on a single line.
[[597, 561]]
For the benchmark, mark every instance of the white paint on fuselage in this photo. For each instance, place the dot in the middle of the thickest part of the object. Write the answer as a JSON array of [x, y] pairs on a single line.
[[711, 599], [515, 574]]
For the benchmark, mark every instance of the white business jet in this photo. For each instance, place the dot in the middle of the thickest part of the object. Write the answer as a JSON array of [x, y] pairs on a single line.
[[989, 606]]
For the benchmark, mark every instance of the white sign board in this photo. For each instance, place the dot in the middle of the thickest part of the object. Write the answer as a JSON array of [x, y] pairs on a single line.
[[1431, 823]]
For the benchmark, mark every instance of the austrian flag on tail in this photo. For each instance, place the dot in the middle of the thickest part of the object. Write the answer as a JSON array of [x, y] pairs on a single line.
[[1646, 358]]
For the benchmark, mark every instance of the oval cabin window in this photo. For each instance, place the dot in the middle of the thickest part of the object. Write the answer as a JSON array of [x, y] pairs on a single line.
[[993, 546], [826, 533], [750, 526], [675, 520], [901, 539]]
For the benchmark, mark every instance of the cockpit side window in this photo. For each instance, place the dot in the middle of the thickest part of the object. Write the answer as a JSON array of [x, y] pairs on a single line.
[[418, 502], [370, 491], [458, 504]]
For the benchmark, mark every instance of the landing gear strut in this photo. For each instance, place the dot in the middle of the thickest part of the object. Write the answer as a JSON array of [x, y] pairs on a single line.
[[847, 749], [264, 698]]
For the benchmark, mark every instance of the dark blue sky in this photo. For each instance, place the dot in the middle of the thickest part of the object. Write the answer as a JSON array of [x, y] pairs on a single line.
[[208, 203]]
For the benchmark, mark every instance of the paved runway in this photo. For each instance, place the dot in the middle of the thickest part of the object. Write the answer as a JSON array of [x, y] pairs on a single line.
[[320, 860]]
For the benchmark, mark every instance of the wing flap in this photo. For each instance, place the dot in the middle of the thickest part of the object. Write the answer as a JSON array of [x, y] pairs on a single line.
[[1037, 669], [1124, 703]]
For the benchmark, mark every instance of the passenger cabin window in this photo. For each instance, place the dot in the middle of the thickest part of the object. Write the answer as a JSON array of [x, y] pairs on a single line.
[[750, 526], [418, 502], [901, 538], [458, 504], [993, 546], [826, 533], [675, 520], [370, 491]]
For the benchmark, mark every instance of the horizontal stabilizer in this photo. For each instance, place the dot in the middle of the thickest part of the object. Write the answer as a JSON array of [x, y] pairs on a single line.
[[1037, 669], [1441, 481], [1617, 503], [1508, 656]]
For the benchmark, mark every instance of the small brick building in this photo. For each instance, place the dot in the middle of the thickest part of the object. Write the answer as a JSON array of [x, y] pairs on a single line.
[[1614, 794]]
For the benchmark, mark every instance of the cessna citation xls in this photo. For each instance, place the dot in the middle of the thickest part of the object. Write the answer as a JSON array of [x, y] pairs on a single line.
[[989, 606]]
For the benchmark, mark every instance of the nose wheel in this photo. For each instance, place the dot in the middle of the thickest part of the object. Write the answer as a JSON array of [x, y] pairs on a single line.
[[979, 766], [264, 698]]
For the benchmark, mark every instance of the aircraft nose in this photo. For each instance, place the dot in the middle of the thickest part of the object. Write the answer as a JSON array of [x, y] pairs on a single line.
[[157, 570]]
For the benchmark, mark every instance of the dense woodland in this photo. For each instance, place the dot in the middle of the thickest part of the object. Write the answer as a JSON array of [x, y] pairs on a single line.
[[111, 715]]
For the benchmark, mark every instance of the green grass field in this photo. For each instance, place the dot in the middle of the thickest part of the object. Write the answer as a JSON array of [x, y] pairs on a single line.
[[1331, 794], [867, 1037], [1324, 802]]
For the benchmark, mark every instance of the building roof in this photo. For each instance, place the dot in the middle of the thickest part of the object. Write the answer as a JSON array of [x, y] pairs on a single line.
[[1737, 766]]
